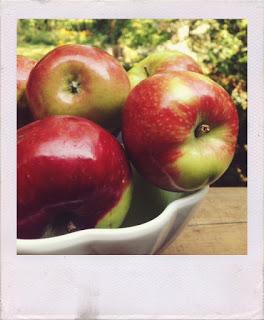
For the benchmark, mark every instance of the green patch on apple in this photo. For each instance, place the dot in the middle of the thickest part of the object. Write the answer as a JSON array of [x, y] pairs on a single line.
[[115, 217]]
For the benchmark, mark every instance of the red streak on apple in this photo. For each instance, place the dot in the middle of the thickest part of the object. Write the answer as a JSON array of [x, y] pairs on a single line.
[[180, 63], [160, 122], [67, 164], [24, 66]]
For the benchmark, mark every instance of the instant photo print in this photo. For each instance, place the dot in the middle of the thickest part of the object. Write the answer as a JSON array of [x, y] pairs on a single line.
[[132, 160]]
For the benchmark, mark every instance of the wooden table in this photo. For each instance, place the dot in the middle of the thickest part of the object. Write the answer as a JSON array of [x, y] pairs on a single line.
[[218, 226]]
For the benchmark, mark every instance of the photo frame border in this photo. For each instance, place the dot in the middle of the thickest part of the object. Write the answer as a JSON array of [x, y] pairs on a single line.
[[132, 287]]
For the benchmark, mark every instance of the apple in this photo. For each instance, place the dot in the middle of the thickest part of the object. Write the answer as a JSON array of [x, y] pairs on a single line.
[[79, 80], [24, 66], [70, 165], [160, 62], [180, 130]]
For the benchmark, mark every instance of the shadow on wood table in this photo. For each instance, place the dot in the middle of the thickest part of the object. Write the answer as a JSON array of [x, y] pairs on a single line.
[[219, 226]]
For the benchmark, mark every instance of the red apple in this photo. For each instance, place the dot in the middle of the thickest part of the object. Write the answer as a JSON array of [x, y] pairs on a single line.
[[180, 130], [24, 66], [79, 80], [68, 164], [160, 62]]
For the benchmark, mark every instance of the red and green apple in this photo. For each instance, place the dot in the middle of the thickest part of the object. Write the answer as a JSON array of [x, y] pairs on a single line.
[[160, 62], [180, 130], [79, 80], [70, 165], [24, 66]]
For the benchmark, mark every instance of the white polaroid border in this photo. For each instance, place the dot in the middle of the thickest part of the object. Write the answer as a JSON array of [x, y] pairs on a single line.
[[132, 287]]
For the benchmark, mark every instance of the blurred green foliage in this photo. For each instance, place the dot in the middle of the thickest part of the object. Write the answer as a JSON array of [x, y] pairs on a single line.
[[220, 46]]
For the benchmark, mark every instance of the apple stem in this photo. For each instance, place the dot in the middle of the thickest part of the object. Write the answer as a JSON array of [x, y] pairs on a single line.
[[146, 71], [74, 86], [71, 227], [202, 130]]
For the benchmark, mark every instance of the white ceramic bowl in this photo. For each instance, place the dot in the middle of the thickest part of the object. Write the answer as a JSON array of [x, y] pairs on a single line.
[[154, 220]]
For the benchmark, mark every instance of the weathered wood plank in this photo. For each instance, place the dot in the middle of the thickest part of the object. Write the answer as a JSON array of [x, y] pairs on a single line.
[[222, 205], [219, 226], [211, 239]]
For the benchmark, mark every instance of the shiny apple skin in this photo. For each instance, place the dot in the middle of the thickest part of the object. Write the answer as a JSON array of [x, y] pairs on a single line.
[[160, 62], [160, 122], [70, 164], [24, 66], [79, 80]]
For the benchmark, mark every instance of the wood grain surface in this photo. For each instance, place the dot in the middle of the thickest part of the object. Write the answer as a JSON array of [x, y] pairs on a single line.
[[218, 226]]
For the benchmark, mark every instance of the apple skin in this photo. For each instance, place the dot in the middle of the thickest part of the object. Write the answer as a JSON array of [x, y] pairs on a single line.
[[68, 164], [161, 62], [166, 121], [24, 66], [79, 80]]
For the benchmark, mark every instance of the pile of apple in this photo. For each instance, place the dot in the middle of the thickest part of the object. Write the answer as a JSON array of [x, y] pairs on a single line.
[[179, 131]]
